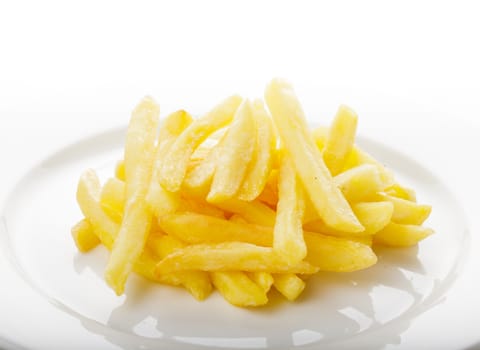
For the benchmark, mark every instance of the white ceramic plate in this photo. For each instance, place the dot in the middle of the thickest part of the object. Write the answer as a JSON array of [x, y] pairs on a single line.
[[51, 296]]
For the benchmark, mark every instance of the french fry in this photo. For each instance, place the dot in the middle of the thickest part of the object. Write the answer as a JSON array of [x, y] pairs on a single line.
[[193, 228], [399, 191], [112, 198], [289, 285], [374, 216], [88, 198], [196, 282], [200, 206], [407, 212], [360, 183], [82, 234], [120, 170], [288, 232], [159, 200], [269, 194], [326, 252], [398, 235], [340, 139], [238, 289], [359, 157], [262, 159], [254, 212], [235, 155], [176, 161], [331, 205], [337, 254], [139, 158], [263, 279], [229, 256]]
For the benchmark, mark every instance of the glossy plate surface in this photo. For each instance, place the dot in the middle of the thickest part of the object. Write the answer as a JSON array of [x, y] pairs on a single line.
[[62, 292]]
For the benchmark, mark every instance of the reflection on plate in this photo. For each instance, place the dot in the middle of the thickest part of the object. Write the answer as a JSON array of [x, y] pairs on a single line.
[[335, 308]]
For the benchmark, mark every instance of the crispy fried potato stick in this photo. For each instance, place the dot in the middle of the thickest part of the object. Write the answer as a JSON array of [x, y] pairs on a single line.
[[407, 212], [331, 205], [160, 200], [326, 252], [139, 157], [176, 161], [262, 160], [235, 155], [238, 289], [82, 234], [288, 232], [340, 139], [289, 285], [229, 256], [398, 235]]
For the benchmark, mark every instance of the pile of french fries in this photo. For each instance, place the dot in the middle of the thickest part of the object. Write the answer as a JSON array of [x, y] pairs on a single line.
[[243, 199]]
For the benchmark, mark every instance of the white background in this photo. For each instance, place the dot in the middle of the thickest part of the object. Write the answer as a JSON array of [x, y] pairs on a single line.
[[61, 60], [65, 67]]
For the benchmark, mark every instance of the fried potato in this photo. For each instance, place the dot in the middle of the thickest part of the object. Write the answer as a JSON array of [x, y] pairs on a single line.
[[291, 125], [254, 212], [82, 234], [263, 279], [360, 183], [176, 160], [288, 232], [326, 252], [196, 282], [160, 200], [235, 155], [398, 235], [407, 212], [262, 159], [374, 216], [399, 191], [229, 256], [120, 170], [238, 289], [289, 285], [340, 139], [139, 157], [112, 198]]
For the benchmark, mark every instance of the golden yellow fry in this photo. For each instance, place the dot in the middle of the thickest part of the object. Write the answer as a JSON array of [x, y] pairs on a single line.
[[331, 205], [289, 285], [120, 170], [159, 200], [328, 253], [340, 139], [288, 232], [112, 198], [139, 158], [262, 159], [407, 212], [196, 282], [88, 198], [320, 135], [374, 216], [399, 191], [235, 155], [229, 256], [238, 289], [338, 254], [176, 161], [238, 219], [82, 234], [199, 178], [360, 183], [398, 235], [200, 206], [194, 228], [254, 212], [358, 157], [263, 279]]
